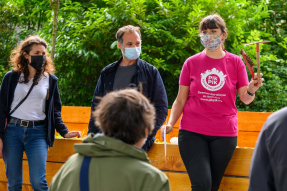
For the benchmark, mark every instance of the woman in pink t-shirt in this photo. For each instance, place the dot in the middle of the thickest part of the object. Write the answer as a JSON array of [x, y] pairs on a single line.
[[208, 84]]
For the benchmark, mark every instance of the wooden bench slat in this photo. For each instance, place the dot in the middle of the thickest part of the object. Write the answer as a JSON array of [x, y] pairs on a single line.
[[248, 121], [62, 150], [240, 162], [52, 169], [234, 183], [83, 127], [178, 182], [250, 124], [25, 187], [75, 114], [247, 139], [238, 166], [243, 126]]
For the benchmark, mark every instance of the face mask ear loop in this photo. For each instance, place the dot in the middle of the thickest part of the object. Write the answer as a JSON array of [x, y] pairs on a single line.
[[123, 48]]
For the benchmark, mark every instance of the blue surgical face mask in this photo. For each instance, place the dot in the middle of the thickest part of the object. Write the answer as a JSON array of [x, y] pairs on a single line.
[[132, 53]]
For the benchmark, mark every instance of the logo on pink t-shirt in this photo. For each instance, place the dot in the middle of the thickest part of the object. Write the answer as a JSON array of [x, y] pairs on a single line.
[[213, 80]]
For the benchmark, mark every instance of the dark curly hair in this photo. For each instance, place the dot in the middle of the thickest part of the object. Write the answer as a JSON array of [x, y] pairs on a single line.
[[125, 115], [20, 63]]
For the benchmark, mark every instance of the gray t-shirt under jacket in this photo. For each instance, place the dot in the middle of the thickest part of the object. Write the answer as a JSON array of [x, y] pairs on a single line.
[[124, 76]]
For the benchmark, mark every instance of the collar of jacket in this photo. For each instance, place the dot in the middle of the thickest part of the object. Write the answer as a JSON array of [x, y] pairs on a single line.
[[100, 145], [112, 67]]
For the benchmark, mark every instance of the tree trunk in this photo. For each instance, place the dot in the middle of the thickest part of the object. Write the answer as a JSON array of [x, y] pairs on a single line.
[[39, 21], [55, 7]]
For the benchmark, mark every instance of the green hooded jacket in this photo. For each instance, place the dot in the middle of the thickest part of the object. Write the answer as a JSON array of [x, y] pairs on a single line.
[[115, 166]]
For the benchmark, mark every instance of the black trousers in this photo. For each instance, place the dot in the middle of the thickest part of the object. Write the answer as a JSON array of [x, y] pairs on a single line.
[[205, 158]]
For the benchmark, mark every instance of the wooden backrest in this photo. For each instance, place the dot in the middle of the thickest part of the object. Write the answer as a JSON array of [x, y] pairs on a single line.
[[249, 123], [236, 174]]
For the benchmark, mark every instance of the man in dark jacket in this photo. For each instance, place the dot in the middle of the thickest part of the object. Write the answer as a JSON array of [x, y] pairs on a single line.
[[268, 169], [131, 71]]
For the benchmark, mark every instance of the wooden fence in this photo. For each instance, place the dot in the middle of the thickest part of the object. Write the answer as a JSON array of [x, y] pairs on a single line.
[[236, 174]]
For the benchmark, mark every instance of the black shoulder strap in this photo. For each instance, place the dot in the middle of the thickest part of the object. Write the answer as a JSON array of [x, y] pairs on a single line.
[[22, 99], [84, 174]]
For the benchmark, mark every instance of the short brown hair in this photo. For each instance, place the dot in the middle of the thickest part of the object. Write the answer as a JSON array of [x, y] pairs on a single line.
[[128, 28], [212, 22], [125, 115], [20, 63]]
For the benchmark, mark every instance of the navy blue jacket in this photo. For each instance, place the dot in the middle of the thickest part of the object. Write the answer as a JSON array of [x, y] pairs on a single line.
[[152, 87], [268, 169], [52, 111]]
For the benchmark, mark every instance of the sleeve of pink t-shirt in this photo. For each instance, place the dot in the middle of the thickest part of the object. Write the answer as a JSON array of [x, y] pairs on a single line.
[[184, 78], [241, 75]]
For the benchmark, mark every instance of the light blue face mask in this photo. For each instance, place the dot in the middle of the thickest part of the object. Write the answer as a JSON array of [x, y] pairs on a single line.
[[132, 53]]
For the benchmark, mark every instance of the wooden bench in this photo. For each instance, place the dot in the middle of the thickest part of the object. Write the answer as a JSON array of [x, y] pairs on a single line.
[[236, 174]]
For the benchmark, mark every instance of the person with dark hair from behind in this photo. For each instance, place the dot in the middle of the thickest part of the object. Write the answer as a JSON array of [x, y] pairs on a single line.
[[268, 170], [114, 160], [131, 71]]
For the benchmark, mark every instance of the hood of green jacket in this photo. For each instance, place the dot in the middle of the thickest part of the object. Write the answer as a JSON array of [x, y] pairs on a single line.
[[100, 145]]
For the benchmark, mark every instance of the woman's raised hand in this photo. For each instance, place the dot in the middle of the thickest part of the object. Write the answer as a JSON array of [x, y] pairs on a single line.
[[252, 88]]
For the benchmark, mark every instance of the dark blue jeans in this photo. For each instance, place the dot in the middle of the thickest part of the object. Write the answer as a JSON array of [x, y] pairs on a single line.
[[205, 158], [32, 140]]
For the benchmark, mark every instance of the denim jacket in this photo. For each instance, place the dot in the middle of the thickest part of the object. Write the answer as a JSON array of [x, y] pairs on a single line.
[[52, 110], [152, 87]]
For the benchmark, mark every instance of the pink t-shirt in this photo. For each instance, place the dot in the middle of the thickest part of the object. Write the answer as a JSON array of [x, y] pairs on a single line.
[[210, 108]]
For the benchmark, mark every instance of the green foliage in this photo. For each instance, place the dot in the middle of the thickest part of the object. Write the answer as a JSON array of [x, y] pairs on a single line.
[[7, 38], [20, 18], [272, 96], [86, 40]]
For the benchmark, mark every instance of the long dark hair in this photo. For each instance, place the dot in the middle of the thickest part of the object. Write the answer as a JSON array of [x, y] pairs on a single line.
[[20, 63]]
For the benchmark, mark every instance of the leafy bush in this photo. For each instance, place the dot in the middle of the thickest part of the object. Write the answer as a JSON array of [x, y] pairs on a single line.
[[20, 18], [86, 41]]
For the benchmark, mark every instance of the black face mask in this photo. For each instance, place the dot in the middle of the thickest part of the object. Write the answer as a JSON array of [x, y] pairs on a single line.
[[37, 62]]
